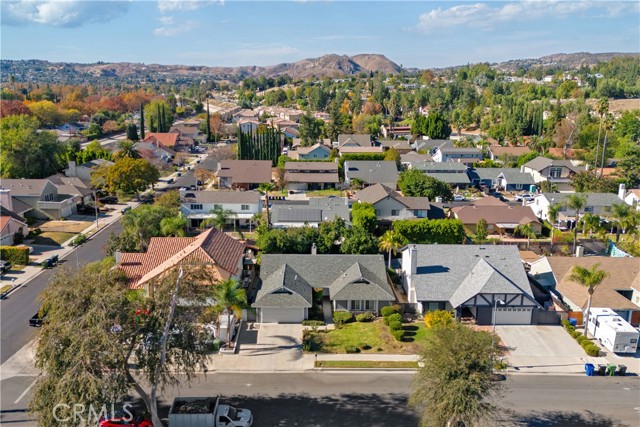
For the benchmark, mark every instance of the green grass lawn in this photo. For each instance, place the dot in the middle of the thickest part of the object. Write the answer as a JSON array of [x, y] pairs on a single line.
[[325, 193], [52, 238], [372, 337], [5, 288], [365, 364]]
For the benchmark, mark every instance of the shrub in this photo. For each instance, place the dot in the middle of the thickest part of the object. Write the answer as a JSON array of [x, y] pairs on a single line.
[[592, 350], [341, 317], [388, 310], [570, 328], [438, 318], [351, 349], [576, 334], [365, 317], [313, 323], [398, 334], [395, 325], [581, 338], [365, 347], [397, 317], [566, 323], [15, 255], [586, 343], [78, 240]]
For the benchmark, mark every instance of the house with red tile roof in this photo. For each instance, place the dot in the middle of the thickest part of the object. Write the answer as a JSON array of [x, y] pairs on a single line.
[[163, 139], [11, 225], [221, 254]]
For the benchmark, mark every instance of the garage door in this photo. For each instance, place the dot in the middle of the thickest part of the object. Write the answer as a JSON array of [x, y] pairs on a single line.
[[281, 315], [513, 316]]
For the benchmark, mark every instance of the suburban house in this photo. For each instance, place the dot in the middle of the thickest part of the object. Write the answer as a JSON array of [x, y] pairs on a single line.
[[244, 174], [429, 146], [10, 223], [558, 172], [507, 179], [223, 256], [619, 291], [80, 190], [354, 140], [42, 198], [244, 114], [401, 146], [151, 150], [239, 206], [597, 204], [85, 170], [454, 174], [631, 197], [187, 135], [311, 175], [163, 139], [474, 280], [413, 157], [391, 205], [355, 283], [457, 154], [501, 218], [317, 151], [395, 131], [248, 125], [311, 212], [497, 151], [372, 172], [361, 150]]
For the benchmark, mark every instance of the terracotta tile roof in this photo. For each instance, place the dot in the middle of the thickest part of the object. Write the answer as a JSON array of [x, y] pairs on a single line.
[[211, 247], [624, 274], [499, 150], [168, 140]]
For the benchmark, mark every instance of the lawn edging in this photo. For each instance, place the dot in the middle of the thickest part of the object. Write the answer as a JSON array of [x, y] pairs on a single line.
[[365, 364]]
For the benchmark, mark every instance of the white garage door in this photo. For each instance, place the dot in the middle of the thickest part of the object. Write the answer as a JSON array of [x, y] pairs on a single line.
[[513, 316], [281, 315]]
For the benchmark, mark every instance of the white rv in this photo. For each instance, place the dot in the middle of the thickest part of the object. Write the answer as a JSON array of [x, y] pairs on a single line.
[[613, 331]]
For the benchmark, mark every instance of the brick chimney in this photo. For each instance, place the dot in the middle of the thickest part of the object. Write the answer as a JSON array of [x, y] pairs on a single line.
[[413, 252], [622, 190], [5, 199]]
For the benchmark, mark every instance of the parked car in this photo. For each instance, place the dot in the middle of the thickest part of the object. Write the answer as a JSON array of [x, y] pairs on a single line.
[[525, 196], [459, 198], [125, 210], [5, 266], [111, 200], [170, 181], [127, 418], [499, 196], [38, 319], [179, 174]]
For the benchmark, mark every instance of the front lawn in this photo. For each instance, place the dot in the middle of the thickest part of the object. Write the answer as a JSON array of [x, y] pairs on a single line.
[[325, 193], [359, 364], [52, 238], [371, 337]]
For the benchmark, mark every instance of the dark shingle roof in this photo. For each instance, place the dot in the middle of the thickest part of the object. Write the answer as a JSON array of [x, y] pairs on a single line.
[[284, 288], [371, 172], [249, 197], [539, 163]]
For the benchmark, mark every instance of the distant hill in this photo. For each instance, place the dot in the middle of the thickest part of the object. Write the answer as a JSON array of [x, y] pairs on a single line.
[[562, 60]]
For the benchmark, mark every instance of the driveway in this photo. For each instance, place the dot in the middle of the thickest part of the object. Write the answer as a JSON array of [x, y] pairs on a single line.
[[273, 338], [542, 349]]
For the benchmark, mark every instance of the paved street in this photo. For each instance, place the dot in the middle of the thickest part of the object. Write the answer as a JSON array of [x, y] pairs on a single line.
[[380, 399], [20, 305]]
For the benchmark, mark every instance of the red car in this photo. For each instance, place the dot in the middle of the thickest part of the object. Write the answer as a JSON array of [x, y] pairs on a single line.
[[125, 419]]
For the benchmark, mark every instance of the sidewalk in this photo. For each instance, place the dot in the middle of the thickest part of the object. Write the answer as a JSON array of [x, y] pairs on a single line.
[[17, 279]]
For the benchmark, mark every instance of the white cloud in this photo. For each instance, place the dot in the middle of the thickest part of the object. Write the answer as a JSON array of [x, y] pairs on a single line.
[[61, 13], [173, 29], [483, 15], [175, 5]]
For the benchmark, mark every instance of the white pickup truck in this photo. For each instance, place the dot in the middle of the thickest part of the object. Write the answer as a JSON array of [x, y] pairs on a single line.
[[207, 412]]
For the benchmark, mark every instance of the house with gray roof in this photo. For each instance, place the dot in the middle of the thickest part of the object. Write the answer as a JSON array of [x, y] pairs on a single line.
[[354, 140], [42, 197], [317, 151], [355, 283], [473, 280], [558, 172], [457, 154], [311, 175], [391, 205], [311, 212], [372, 172], [85, 170], [431, 145], [597, 203], [507, 179], [454, 174]]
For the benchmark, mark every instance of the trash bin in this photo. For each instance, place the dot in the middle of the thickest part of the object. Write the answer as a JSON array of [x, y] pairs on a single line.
[[574, 322], [602, 370], [611, 369], [589, 369], [50, 263], [622, 370], [54, 259], [216, 345]]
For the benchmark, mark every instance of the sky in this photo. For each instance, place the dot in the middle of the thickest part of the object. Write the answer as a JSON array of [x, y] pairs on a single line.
[[425, 34]]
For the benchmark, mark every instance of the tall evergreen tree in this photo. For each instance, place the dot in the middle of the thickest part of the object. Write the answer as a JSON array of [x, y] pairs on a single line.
[[208, 124], [141, 120]]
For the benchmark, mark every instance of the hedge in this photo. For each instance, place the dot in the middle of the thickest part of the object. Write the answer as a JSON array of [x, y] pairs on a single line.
[[388, 310], [395, 317], [580, 338], [398, 334], [592, 350], [351, 349], [587, 345], [15, 255], [575, 334], [312, 323], [394, 325], [430, 231], [365, 317], [341, 317]]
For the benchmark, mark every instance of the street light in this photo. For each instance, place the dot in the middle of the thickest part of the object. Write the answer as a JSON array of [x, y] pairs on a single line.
[[493, 321]]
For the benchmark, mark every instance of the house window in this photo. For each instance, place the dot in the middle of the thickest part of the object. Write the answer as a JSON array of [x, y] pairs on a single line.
[[244, 207], [196, 206], [356, 305], [216, 207], [368, 305], [588, 209], [48, 197], [555, 172], [377, 212], [518, 186], [395, 212]]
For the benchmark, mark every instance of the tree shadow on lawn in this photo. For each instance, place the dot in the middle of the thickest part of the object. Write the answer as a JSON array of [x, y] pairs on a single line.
[[410, 333], [559, 419]]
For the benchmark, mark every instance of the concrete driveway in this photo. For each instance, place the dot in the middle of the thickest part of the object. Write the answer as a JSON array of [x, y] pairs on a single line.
[[542, 349]]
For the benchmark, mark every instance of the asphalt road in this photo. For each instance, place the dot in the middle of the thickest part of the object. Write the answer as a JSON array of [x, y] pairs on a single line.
[[380, 399], [19, 306]]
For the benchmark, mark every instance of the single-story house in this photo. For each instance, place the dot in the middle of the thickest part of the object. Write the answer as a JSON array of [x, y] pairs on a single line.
[[42, 197], [507, 179], [311, 212], [414, 157], [240, 206], [11, 225], [457, 154], [496, 151], [401, 146], [315, 152], [355, 283], [81, 190], [501, 218], [245, 174], [454, 174], [223, 256], [372, 172], [162, 139], [311, 175], [619, 291], [430, 146], [354, 140], [473, 280], [391, 205], [360, 150], [631, 197]]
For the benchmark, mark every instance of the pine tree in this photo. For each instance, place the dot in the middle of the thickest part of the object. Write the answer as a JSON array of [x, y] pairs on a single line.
[[158, 120], [208, 124], [141, 120]]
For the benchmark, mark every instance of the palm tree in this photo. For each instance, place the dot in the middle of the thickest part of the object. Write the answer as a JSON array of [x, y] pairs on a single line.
[[265, 188], [608, 125], [576, 202], [391, 241], [229, 296], [552, 214], [591, 278], [624, 217], [590, 223], [173, 226], [602, 108], [220, 219], [525, 230], [126, 148]]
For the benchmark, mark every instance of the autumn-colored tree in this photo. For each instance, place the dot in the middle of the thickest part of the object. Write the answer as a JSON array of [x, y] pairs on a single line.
[[13, 108], [372, 108], [46, 112], [130, 175]]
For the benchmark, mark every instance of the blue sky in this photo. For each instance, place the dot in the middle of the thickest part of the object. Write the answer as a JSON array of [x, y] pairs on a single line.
[[231, 33]]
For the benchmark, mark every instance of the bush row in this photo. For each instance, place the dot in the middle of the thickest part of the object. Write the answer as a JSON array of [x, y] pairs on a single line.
[[312, 323], [15, 255], [587, 345], [393, 318]]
